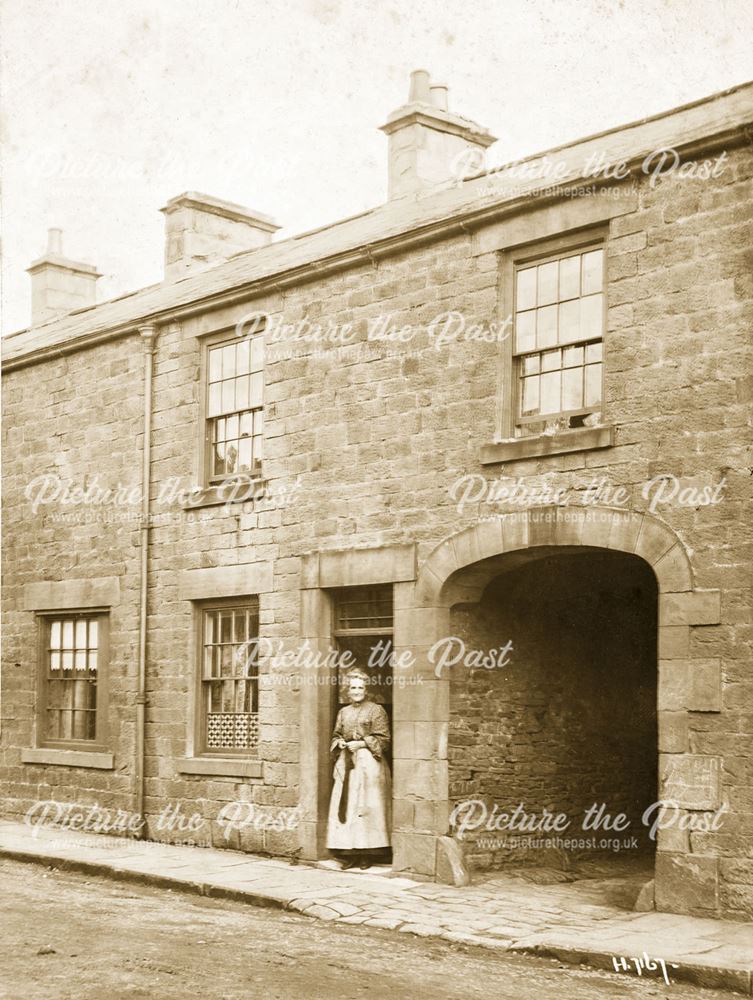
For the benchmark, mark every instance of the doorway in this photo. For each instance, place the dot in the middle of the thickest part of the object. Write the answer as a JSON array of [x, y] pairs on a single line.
[[363, 635]]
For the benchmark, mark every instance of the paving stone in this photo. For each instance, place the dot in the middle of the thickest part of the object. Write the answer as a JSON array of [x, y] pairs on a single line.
[[299, 904], [344, 909], [480, 925], [422, 930], [320, 911], [395, 914], [462, 937], [318, 892], [385, 923], [360, 901], [508, 931]]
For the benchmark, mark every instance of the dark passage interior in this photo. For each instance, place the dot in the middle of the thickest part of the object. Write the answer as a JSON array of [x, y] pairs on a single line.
[[571, 720]]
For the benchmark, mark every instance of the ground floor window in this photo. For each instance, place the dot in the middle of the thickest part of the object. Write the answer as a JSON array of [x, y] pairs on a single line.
[[72, 689], [229, 700]]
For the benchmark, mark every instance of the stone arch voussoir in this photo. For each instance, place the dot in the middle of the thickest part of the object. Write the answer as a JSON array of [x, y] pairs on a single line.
[[595, 527]]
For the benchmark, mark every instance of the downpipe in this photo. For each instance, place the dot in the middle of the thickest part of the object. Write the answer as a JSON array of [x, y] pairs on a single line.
[[149, 337]]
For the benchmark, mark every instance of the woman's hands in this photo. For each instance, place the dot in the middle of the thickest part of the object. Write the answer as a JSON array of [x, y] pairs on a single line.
[[351, 745]]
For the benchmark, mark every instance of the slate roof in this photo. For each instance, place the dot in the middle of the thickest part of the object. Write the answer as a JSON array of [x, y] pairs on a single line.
[[470, 202]]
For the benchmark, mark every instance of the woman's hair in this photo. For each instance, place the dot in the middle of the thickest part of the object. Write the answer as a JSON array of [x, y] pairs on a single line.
[[357, 674]]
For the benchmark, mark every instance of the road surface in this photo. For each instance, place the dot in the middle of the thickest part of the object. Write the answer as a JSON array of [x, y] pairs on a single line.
[[69, 936]]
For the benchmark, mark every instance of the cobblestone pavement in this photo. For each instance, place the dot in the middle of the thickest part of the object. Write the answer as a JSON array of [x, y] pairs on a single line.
[[504, 913]]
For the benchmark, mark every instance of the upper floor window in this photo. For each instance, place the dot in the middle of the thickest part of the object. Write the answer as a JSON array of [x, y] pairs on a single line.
[[234, 407], [72, 690], [559, 325]]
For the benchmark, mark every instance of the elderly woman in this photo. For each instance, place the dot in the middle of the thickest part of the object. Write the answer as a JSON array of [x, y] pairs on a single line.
[[359, 810]]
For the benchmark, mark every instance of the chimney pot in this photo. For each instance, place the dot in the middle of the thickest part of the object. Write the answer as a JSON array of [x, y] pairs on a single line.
[[55, 241], [420, 87], [439, 96]]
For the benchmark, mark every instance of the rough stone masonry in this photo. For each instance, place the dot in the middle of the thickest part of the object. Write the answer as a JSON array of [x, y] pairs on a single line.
[[627, 600]]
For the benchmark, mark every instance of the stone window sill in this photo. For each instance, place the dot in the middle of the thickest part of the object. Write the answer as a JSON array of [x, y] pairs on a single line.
[[232, 767], [580, 439], [102, 761], [227, 493]]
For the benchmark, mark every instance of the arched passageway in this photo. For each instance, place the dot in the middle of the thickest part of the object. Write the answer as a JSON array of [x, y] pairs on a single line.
[[565, 719]]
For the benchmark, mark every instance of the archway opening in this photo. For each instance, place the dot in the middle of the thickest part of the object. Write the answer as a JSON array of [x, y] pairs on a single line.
[[564, 724]]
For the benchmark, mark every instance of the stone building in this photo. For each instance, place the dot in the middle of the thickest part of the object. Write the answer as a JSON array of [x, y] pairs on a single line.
[[507, 411]]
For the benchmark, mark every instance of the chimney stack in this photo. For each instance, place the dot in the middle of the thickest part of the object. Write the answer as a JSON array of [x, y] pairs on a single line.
[[60, 285], [429, 145], [201, 231]]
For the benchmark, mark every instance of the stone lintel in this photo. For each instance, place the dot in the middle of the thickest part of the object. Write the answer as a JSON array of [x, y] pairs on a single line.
[[359, 567], [54, 595], [225, 581]]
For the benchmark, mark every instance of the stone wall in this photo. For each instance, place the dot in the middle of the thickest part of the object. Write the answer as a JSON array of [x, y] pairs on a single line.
[[65, 423], [368, 439]]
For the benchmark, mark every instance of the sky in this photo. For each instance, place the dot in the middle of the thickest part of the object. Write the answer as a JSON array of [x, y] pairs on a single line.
[[112, 107]]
